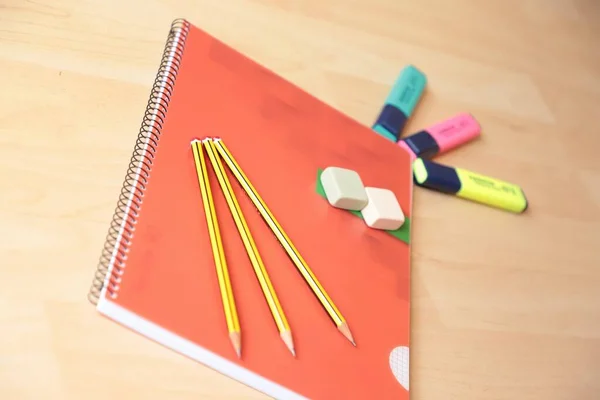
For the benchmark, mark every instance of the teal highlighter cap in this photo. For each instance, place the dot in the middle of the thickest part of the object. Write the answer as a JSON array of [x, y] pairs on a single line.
[[407, 90]]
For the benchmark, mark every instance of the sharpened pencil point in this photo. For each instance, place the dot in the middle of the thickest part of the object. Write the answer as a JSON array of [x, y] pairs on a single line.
[[236, 341], [286, 336], [346, 332]]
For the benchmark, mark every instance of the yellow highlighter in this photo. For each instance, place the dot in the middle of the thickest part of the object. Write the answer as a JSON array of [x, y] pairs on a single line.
[[469, 185]]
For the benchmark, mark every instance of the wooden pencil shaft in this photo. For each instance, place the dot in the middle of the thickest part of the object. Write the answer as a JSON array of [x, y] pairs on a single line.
[[227, 298], [285, 241], [249, 244]]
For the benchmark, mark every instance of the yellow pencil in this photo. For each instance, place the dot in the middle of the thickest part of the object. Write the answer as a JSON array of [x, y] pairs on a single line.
[[231, 317], [255, 258], [285, 241]]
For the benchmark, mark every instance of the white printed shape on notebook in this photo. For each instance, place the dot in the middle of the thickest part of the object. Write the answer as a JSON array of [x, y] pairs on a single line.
[[399, 364], [344, 188], [383, 210]]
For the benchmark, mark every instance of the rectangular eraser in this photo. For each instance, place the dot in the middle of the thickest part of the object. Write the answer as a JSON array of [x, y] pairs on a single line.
[[382, 210], [344, 188], [443, 136]]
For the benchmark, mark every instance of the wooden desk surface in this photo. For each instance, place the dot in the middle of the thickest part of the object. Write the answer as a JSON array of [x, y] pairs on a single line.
[[504, 306]]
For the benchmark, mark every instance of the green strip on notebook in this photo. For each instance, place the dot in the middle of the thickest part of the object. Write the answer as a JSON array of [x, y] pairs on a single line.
[[402, 233]]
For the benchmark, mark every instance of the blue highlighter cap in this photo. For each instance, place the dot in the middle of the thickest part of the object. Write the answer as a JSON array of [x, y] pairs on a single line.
[[436, 176], [422, 144], [392, 119]]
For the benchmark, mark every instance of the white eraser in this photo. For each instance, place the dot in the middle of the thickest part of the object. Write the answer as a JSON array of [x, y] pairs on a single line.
[[383, 210], [344, 188]]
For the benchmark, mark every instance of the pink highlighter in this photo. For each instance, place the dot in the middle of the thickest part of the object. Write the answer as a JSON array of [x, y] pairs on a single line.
[[441, 137]]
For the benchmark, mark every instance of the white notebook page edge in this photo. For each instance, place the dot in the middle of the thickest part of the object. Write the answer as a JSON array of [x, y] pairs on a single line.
[[198, 353]]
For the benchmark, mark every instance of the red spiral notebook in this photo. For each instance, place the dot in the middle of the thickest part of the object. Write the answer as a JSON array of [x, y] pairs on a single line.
[[157, 276]]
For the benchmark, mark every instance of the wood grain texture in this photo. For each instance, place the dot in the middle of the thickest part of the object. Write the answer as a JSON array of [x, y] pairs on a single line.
[[504, 306]]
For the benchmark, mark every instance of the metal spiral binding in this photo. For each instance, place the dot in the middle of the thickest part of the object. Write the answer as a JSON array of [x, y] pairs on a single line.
[[124, 219]]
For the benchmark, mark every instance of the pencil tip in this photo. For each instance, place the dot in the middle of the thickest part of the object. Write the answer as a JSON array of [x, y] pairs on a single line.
[[345, 330], [236, 341], [286, 336]]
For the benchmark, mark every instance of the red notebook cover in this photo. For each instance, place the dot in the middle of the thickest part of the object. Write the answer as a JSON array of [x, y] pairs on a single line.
[[157, 275]]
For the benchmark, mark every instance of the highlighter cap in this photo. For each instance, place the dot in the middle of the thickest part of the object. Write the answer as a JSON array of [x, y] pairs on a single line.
[[391, 120], [384, 132], [412, 154], [454, 131], [422, 144], [436, 176], [407, 90]]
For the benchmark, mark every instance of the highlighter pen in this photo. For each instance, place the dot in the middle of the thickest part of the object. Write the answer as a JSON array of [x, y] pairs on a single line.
[[400, 103], [441, 137], [469, 185]]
